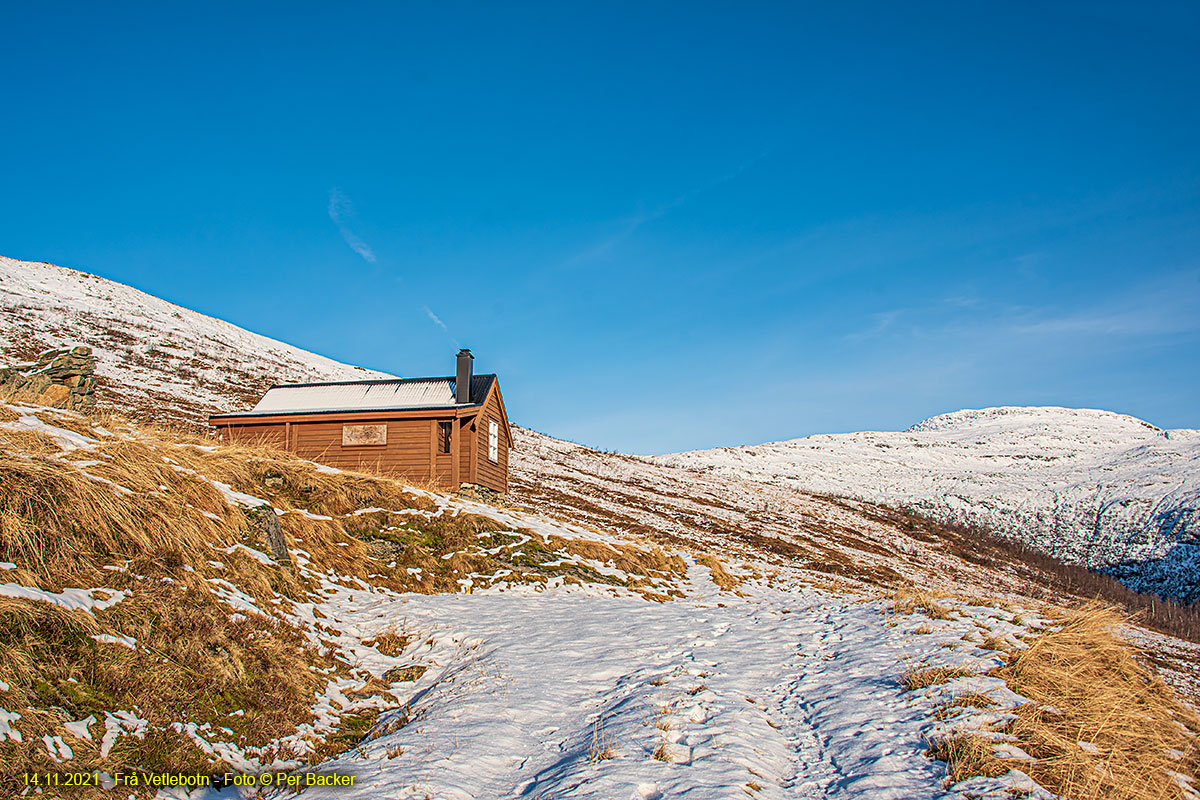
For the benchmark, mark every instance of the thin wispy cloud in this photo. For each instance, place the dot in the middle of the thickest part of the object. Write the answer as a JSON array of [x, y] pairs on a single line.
[[632, 225], [629, 228], [1135, 322], [341, 211], [882, 321], [1159, 308], [962, 301], [1162, 307]]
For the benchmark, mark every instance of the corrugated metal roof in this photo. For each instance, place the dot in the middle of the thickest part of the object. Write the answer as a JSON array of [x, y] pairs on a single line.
[[383, 395]]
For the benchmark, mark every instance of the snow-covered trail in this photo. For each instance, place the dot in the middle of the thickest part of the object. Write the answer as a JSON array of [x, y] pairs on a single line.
[[776, 694]]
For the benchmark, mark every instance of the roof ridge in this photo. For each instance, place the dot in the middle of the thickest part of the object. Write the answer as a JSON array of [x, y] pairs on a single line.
[[373, 381]]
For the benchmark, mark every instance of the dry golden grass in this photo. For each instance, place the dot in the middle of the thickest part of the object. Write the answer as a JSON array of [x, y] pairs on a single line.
[[142, 509], [833, 585], [973, 700], [410, 673], [55, 519], [602, 747], [1109, 701], [1100, 724], [58, 398], [907, 600], [192, 662], [967, 755], [994, 643], [915, 679], [167, 508], [390, 642], [644, 565], [716, 570]]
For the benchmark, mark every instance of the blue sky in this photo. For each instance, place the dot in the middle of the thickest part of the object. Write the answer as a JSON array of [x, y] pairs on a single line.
[[666, 226]]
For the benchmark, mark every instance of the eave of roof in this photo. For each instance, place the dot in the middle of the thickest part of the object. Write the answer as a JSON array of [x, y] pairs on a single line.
[[481, 384], [351, 411]]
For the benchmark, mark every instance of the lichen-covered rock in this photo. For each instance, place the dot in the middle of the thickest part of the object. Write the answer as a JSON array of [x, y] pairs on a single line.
[[264, 522], [477, 492], [62, 378]]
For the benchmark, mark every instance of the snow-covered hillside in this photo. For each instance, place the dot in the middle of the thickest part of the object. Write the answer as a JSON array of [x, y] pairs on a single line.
[[154, 356], [1092, 487]]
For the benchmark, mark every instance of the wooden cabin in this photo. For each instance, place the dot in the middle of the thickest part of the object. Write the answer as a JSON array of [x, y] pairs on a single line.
[[451, 432]]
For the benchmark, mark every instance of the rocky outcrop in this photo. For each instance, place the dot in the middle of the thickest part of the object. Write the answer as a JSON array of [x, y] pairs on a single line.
[[61, 378], [477, 492], [264, 522]]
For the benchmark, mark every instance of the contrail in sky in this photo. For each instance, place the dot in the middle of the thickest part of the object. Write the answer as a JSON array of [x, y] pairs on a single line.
[[341, 211], [631, 226], [437, 320]]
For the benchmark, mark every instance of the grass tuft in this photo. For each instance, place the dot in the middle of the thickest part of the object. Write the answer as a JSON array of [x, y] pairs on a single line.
[[716, 570], [907, 601], [968, 755], [915, 679], [602, 747]]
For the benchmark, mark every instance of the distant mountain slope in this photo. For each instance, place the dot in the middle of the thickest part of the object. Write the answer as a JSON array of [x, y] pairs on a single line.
[[1093, 487], [155, 357]]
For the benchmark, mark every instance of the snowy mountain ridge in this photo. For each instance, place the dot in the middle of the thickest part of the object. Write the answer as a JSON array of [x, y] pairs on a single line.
[[153, 356], [978, 417], [1098, 488]]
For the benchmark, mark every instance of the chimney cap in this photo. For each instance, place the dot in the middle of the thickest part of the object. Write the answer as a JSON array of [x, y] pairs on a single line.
[[465, 352]]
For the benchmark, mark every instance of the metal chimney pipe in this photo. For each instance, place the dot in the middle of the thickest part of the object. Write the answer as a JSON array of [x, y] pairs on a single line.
[[462, 379]]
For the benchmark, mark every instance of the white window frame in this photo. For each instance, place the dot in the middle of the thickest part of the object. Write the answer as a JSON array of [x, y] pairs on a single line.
[[493, 440]]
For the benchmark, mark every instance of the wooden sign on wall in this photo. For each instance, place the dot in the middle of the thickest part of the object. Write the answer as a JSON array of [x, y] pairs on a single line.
[[360, 435]]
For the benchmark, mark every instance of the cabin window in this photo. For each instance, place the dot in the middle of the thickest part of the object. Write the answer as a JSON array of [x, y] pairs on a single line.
[[445, 429], [493, 440]]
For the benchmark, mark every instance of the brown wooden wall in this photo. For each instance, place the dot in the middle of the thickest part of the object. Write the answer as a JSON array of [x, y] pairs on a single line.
[[411, 450], [466, 449], [259, 434], [443, 462], [492, 474]]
